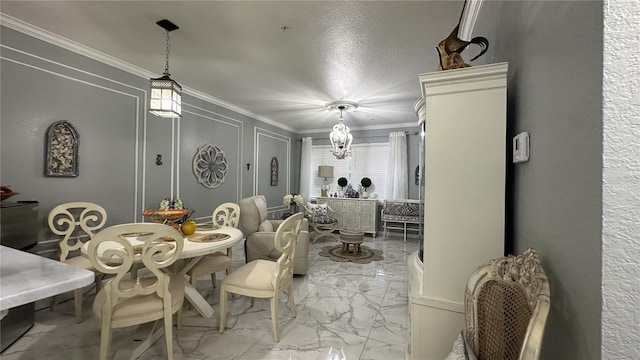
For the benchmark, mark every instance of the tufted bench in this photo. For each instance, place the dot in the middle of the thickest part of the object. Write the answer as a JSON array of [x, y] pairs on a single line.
[[403, 214]]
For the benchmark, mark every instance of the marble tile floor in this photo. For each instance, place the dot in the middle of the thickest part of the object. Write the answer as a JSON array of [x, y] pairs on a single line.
[[361, 308]]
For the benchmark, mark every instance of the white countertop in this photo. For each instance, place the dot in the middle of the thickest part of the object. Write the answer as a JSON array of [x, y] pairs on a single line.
[[26, 277]]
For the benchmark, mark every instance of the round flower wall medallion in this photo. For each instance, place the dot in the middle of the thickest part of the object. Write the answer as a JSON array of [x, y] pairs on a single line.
[[210, 166]]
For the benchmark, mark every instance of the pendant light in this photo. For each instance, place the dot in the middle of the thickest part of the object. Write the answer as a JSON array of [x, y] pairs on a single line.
[[340, 136], [166, 94]]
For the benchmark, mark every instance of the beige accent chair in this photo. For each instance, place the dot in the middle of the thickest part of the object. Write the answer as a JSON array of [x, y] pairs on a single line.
[[123, 303], [76, 221], [259, 232], [506, 306], [266, 278], [227, 214]]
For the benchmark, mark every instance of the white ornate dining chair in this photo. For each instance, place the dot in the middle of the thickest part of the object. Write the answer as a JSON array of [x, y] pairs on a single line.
[[75, 222], [506, 307], [265, 278], [227, 214], [159, 295]]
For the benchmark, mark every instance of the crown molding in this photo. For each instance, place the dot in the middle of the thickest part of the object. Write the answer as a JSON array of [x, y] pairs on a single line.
[[57, 40], [371, 127], [202, 96], [47, 36]]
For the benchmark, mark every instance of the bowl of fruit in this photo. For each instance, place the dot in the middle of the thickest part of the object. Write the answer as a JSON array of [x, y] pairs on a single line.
[[165, 216]]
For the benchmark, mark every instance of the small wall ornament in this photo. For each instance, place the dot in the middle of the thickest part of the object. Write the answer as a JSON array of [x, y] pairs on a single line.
[[210, 166], [274, 171], [62, 150]]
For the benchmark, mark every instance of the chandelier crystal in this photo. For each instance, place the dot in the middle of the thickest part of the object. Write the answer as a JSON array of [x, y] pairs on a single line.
[[166, 94], [340, 136]]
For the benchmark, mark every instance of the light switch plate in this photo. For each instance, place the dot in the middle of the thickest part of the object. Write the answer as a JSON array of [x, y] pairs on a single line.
[[521, 147]]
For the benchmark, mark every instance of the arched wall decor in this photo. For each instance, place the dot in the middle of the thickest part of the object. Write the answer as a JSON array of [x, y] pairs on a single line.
[[210, 166], [274, 171], [62, 150]]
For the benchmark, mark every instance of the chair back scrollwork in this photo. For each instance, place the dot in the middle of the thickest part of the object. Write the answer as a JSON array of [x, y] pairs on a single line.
[[285, 241], [73, 221], [111, 252], [227, 214]]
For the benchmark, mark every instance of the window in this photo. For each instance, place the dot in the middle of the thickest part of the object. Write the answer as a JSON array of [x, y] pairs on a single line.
[[368, 160]]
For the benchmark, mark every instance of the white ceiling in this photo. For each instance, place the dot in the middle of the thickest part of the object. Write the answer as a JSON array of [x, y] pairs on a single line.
[[370, 52]]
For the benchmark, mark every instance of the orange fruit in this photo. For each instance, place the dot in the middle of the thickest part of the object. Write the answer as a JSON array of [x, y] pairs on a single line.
[[189, 227]]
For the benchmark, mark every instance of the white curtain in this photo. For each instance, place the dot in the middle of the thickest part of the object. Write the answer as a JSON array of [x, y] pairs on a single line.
[[306, 172], [397, 182]]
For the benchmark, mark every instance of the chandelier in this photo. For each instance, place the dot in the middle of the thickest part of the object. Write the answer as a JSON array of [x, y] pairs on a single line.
[[340, 136], [166, 94]]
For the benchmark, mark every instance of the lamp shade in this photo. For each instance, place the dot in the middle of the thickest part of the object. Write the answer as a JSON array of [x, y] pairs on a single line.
[[325, 171]]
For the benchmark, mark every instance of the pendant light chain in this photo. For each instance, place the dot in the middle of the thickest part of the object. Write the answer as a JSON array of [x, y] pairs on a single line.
[[349, 151], [166, 67]]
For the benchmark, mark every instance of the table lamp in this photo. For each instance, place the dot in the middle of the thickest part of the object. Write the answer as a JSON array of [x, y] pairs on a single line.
[[325, 171]]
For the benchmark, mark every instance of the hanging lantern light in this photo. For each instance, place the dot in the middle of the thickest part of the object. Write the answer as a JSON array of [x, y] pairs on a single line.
[[166, 94]]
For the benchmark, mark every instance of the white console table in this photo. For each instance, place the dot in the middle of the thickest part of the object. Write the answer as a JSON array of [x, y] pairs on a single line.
[[355, 214]]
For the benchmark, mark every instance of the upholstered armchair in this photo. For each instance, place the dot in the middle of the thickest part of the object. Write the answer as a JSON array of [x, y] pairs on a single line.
[[259, 232]]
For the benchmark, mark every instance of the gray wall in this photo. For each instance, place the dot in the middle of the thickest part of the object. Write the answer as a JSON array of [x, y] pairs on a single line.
[[119, 140], [554, 50]]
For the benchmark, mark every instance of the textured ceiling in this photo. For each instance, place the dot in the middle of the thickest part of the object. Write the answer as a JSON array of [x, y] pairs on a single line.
[[370, 52]]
